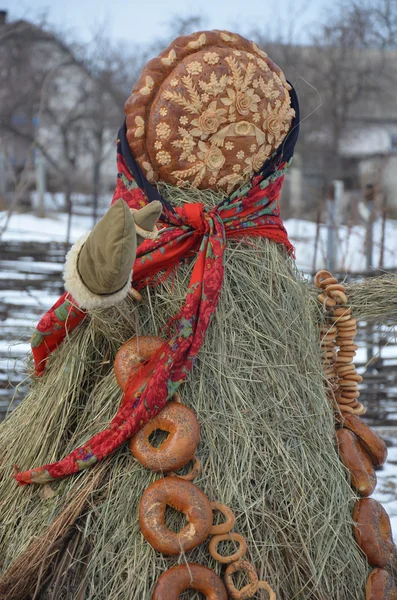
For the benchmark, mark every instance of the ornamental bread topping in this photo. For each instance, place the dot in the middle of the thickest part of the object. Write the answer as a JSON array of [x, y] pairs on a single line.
[[208, 113]]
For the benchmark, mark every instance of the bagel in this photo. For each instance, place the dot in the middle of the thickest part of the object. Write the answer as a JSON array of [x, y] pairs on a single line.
[[227, 525], [339, 297], [345, 369], [250, 588], [178, 449], [321, 276], [225, 560], [334, 286], [133, 354], [176, 580], [342, 311], [326, 300], [183, 496], [354, 377], [349, 324], [327, 281]]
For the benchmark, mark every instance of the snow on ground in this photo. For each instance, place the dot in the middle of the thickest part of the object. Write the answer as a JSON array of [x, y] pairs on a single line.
[[386, 489], [28, 227]]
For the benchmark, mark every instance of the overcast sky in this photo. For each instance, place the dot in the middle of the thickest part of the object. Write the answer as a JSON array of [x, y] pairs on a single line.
[[144, 20]]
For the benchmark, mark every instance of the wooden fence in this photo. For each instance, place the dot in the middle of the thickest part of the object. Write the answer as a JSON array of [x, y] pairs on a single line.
[[30, 281]]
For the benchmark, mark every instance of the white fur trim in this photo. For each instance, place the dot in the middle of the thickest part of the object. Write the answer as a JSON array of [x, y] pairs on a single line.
[[75, 286]]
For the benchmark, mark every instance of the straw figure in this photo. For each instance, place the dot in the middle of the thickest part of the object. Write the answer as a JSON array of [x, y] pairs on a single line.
[[213, 339]]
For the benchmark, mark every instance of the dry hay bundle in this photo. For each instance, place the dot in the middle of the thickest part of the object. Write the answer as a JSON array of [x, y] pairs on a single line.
[[267, 442]]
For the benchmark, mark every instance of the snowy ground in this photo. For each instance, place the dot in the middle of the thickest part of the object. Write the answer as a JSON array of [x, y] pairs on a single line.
[[302, 233], [386, 489], [29, 227]]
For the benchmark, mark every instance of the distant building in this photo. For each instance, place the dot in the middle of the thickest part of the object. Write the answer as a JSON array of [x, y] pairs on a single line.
[[49, 95]]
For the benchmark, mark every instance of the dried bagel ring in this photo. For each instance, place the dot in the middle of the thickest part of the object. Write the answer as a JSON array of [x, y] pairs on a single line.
[[343, 359], [183, 496], [328, 347], [348, 333], [343, 353], [321, 276], [350, 347], [348, 324], [326, 300], [353, 408], [227, 525], [342, 369], [339, 297], [357, 461], [225, 560], [133, 354], [193, 473], [248, 590], [348, 408], [327, 281], [345, 341], [349, 400], [334, 286], [328, 337], [350, 395], [343, 400], [176, 580], [263, 585], [346, 383], [342, 311], [339, 320], [372, 531], [177, 450], [325, 330], [353, 377]]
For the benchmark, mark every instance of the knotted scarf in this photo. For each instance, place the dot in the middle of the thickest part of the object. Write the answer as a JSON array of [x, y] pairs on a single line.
[[194, 232]]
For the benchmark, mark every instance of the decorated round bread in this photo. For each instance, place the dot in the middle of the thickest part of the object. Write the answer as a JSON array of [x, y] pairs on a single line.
[[208, 112]]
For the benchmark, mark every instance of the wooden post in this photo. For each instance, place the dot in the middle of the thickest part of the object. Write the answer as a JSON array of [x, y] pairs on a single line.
[[369, 198], [333, 208], [369, 246], [3, 174], [383, 234], [95, 195], [40, 183]]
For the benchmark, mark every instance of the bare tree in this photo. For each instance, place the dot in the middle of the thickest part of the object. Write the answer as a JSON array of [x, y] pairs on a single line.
[[54, 100], [339, 75]]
